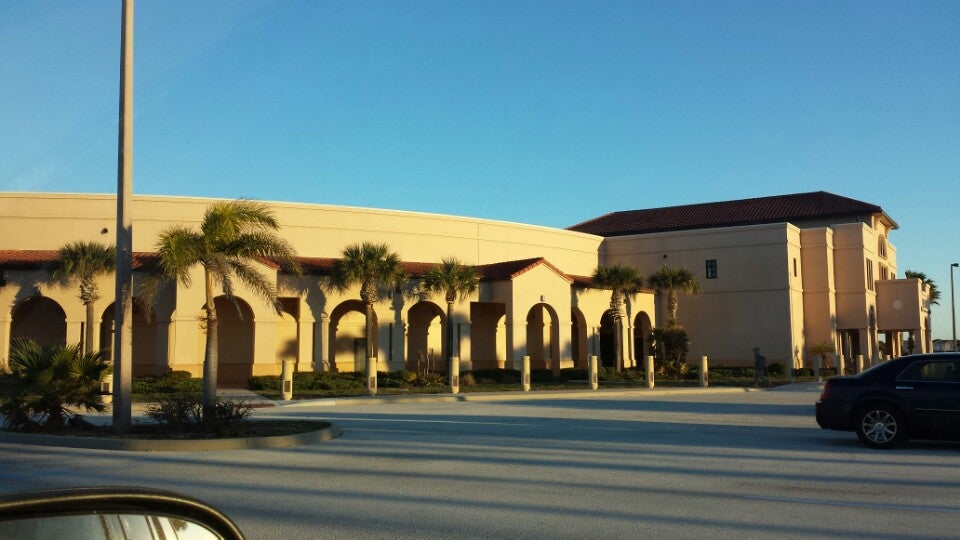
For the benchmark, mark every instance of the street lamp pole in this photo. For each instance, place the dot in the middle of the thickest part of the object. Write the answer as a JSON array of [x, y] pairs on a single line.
[[953, 309]]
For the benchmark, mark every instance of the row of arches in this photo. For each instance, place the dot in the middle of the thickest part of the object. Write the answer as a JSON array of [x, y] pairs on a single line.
[[483, 337]]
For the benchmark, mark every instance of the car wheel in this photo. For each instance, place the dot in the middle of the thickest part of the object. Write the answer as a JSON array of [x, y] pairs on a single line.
[[881, 426]]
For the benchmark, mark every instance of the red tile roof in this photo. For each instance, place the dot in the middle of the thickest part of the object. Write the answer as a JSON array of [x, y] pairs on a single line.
[[511, 269], [35, 259], [794, 208]]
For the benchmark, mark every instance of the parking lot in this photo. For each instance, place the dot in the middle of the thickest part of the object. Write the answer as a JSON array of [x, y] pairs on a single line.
[[615, 465]]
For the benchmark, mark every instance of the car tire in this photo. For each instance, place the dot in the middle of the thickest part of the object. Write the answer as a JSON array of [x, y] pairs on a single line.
[[880, 426]]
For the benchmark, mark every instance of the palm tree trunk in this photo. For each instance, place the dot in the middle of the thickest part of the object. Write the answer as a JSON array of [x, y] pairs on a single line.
[[211, 355], [673, 303], [449, 337], [371, 330], [88, 331]]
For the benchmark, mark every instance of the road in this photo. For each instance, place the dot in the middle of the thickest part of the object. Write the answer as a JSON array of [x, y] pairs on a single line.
[[725, 465]]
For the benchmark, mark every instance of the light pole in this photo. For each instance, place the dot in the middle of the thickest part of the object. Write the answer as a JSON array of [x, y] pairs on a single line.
[[953, 310]]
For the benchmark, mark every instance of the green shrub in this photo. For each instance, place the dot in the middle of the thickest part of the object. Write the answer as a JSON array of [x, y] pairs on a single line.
[[172, 382], [544, 376], [776, 369], [671, 345], [266, 382], [575, 374], [496, 376]]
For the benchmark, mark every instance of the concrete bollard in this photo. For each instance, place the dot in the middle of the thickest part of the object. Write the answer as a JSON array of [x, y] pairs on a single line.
[[454, 374], [841, 365], [816, 368], [704, 378], [525, 374], [286, 380], [648, 368], [106, 388], [594, 382], [372, 375]]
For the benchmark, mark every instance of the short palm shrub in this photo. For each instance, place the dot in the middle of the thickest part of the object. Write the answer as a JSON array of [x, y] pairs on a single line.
[[45, 385], [181, 413]]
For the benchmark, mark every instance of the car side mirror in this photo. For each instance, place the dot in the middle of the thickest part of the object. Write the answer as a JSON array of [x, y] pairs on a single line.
[[111, 513]]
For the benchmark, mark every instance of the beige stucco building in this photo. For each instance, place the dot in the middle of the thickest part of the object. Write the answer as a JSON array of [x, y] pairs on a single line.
[[777, 281]]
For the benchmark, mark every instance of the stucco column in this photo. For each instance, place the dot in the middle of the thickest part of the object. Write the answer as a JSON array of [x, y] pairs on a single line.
[[74, 331], [187, 341], [165, 339], [4, 340], [517, 343], [399, 345], [630, 354], [305, 358], [464, 346], [321, 343], [265, 347]]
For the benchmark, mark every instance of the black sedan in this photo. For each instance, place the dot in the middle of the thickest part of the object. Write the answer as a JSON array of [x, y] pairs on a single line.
[[916, 396]]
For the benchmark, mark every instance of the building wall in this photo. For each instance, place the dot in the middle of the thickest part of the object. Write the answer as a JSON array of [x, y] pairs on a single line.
[[321, 327], [779, 287], [747, 305]]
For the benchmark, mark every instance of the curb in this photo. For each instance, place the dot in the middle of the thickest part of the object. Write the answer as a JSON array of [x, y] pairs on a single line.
[[172, 445], [512, 396]]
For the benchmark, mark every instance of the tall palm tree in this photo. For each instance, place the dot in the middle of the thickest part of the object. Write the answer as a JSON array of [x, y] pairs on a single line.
[[456, 281], [83, 262], [934, 291], [623, 281], [371, 266], [232, 236], [674, 281]]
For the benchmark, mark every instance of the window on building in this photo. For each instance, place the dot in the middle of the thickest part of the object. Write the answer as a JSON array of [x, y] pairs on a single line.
[[795, 270], [711, 269], [869, 275], [884, 272], [882, 246]]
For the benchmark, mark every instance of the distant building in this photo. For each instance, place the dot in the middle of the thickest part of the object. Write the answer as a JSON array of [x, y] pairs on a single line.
[[780, 273]]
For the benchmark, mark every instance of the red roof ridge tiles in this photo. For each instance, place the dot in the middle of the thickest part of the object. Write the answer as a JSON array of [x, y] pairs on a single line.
[[755, 211]]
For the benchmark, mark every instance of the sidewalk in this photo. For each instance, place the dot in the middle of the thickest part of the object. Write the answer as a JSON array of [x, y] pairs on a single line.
[[811, 387]]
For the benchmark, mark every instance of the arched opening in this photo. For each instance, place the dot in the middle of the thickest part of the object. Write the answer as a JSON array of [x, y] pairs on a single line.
[[578, 338], [235, 342], [607, 335], [40, 319], [144, 351], [641, 336], [543, 335], [426, 349], [348, 342], [488, 336]]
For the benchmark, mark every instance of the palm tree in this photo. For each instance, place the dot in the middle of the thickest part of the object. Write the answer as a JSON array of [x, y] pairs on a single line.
[[456, 281], [934, 291], [83, 262], [45, 385], [371, 266], [674, 281], [824, 350], [232, 236], [623, 281]]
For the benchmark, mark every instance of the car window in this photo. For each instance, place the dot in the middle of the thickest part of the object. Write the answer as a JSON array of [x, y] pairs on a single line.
[[933, 371]]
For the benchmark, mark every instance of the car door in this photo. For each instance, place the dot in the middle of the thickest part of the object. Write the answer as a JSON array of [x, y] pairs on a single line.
[[930, 389]]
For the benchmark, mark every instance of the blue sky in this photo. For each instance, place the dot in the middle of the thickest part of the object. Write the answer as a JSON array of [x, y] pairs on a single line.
[[543, 112]]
